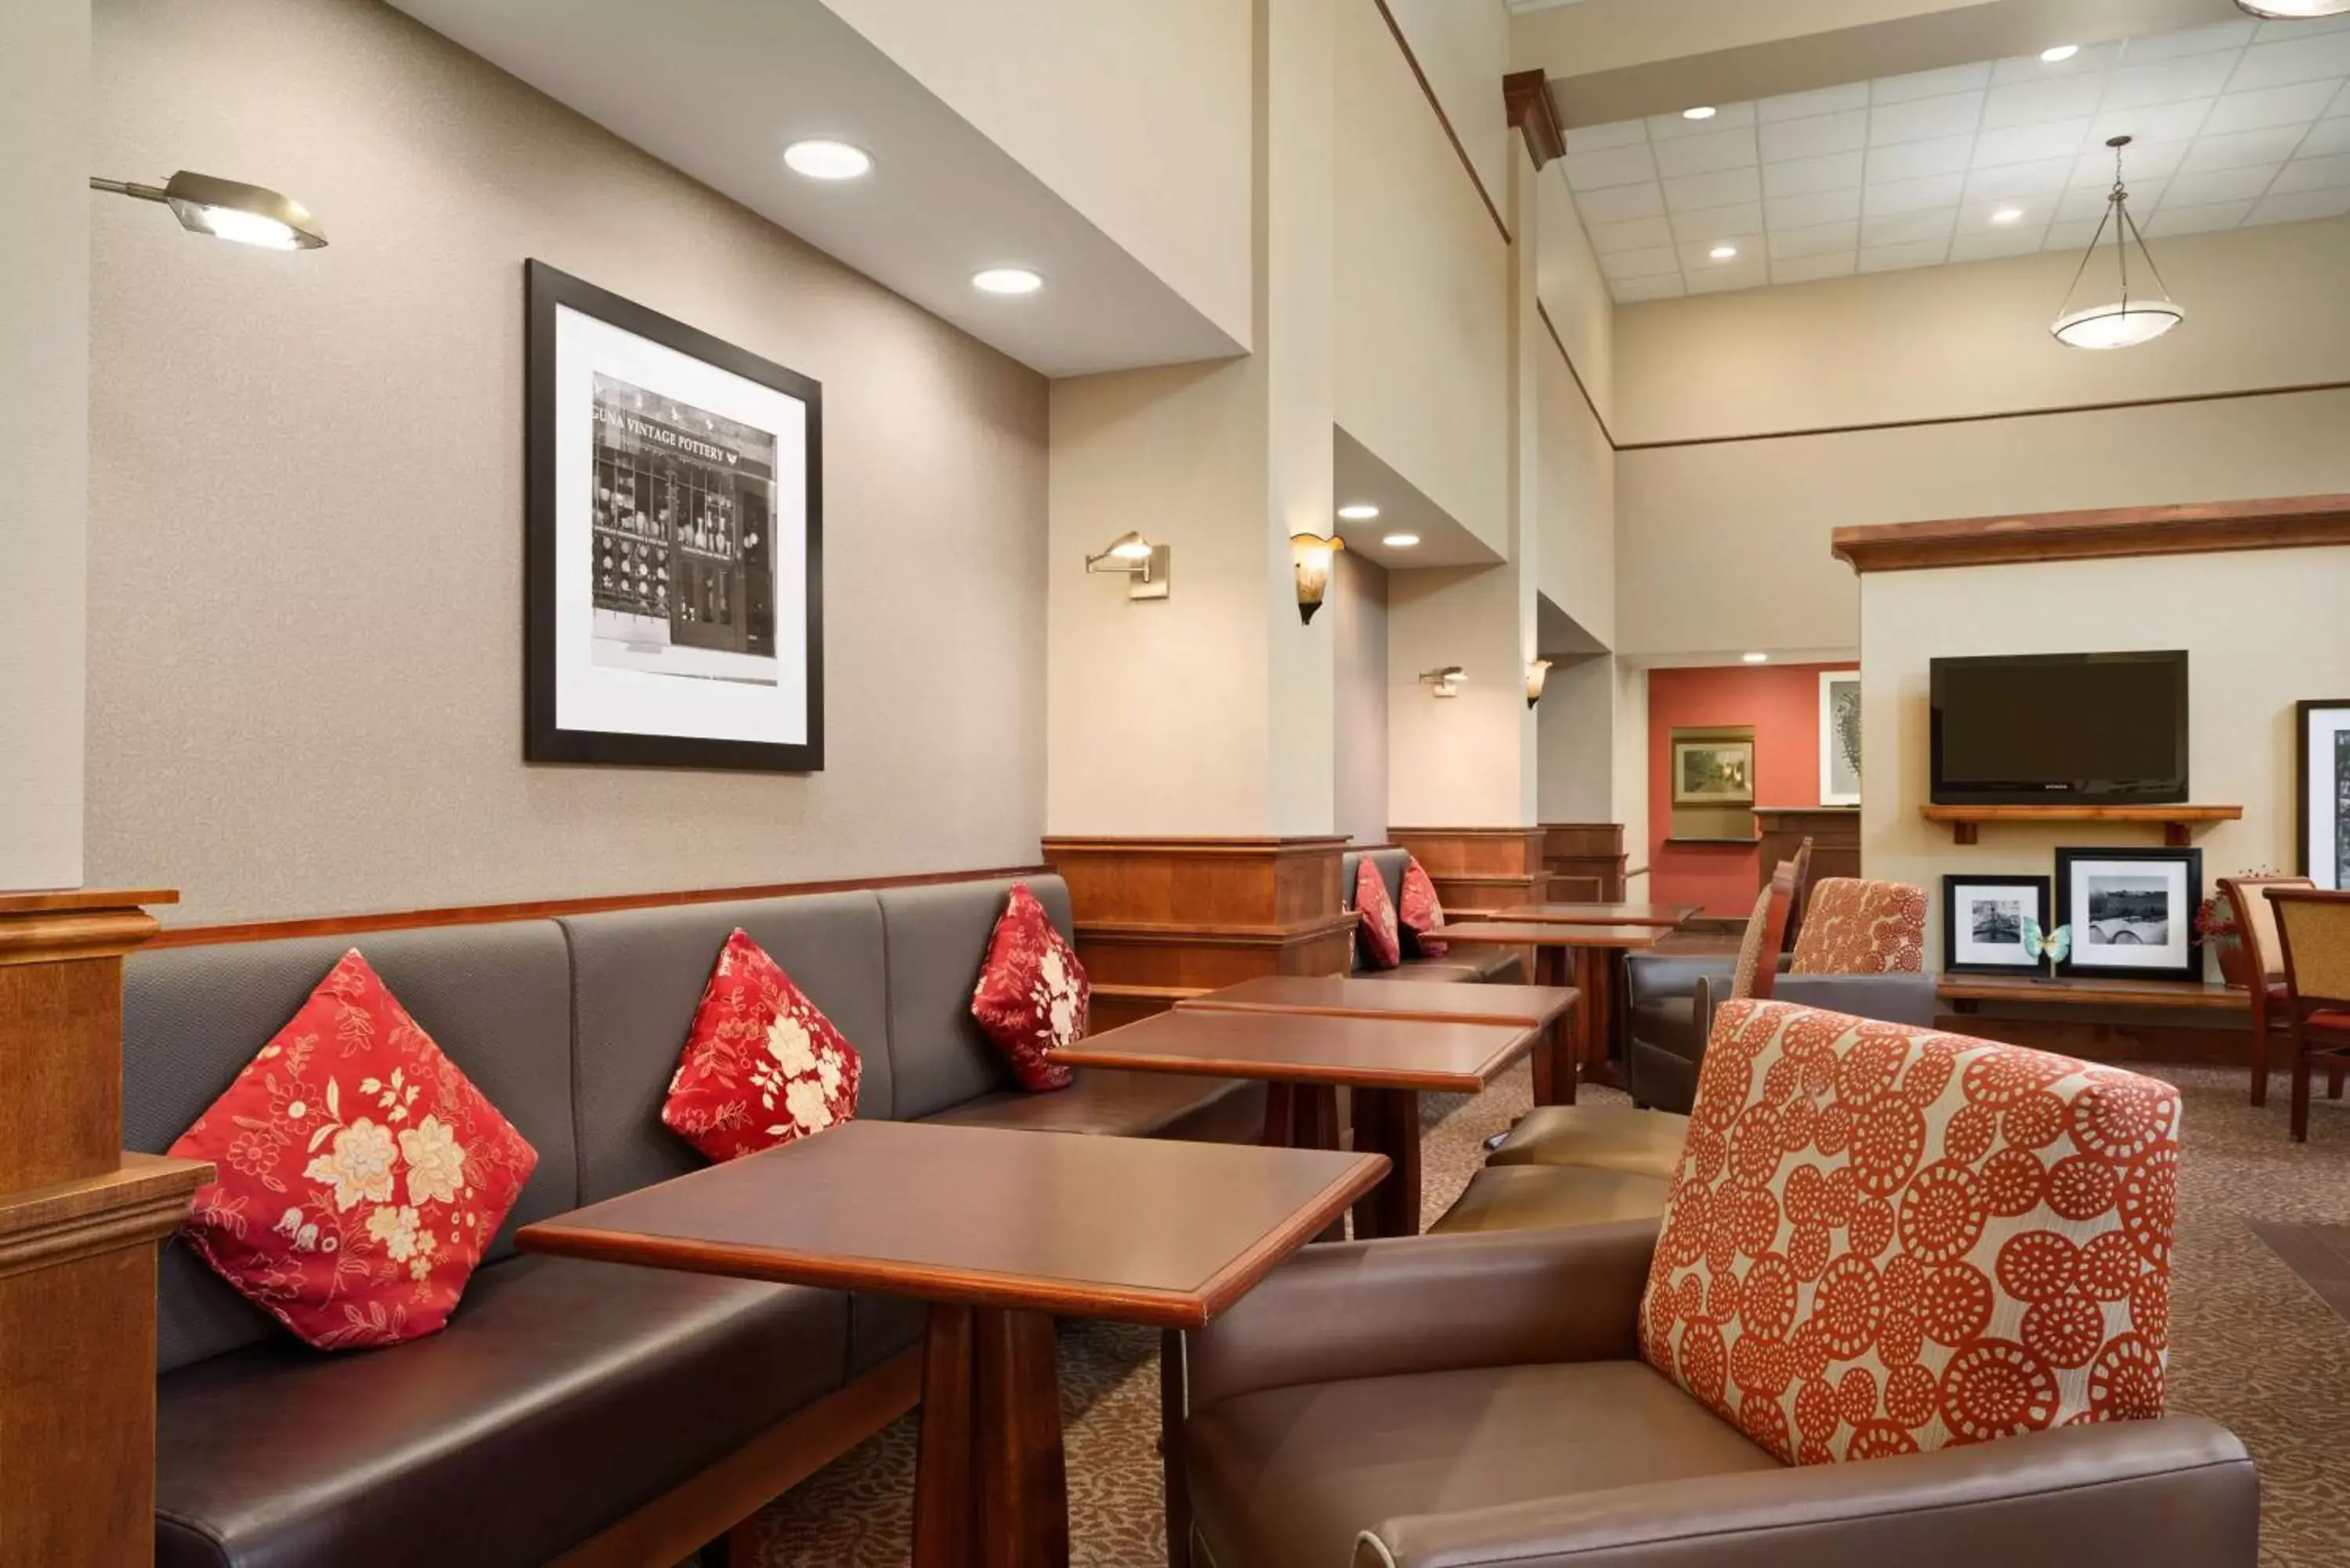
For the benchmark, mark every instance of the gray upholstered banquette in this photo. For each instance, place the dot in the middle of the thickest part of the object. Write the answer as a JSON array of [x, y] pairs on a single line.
[[1499, 965], [564, 1394]]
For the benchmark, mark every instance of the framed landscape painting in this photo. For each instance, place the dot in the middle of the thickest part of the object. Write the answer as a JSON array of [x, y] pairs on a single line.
[[673, 599], [2132, 911], [2322, 789], [1840, 737], [1713, 772], [1982, 923]]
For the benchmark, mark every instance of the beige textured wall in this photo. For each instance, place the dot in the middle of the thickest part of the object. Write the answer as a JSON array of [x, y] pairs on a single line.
[[1632, 767], [2262, 630], [1725, 548], [1421, 294], [1572, 289], [1136, 115], [1462, 48], [2265, 308], [1576, 722], [1358, 613], [307, 508], [44, 434]]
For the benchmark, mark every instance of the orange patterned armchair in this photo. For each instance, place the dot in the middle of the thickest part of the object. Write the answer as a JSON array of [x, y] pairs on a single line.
[[1854, 926]]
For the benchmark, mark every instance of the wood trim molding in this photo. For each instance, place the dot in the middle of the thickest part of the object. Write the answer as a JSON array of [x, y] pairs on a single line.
[[2203, 528], [143, 1201], [548, 909], [1444, 119], [1526, 96], [1560, 344], [1929, 420]]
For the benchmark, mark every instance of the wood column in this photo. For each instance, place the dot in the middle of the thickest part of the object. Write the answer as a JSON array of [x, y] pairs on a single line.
[[1480, 867], [1585, 861], [80, 1224], [1159, 920]]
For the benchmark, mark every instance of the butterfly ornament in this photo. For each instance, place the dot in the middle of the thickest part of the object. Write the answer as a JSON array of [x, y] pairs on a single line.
[[2053, 946]]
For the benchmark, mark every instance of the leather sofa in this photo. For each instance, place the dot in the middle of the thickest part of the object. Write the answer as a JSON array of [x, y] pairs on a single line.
[[1498, 966], [1456, 1401], [567, 1399]]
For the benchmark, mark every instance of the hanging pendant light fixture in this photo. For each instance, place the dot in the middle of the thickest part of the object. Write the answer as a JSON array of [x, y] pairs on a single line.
[[2292, 10], [2125, 322]]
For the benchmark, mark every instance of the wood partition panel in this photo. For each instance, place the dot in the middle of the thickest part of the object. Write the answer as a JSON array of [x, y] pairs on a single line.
[[1161, 919], [1481, 867], [81, 1222], [1586, 861]]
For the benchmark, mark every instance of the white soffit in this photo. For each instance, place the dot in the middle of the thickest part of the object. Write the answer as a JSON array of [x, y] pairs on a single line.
[[717, 88], [2241, 123], [1359, 474]]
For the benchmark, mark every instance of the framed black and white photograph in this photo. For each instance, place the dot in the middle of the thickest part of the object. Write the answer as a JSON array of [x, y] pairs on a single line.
[[2132, 911], [1840, 737], [1982, 923], [2321, 775], [673, 567]]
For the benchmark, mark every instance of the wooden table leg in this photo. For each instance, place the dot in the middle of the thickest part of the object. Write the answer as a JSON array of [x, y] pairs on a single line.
[[1174, 1404], [1387, 1121], [1558, 1050], [1596, 969], [1314, 1124], [991, 1487]]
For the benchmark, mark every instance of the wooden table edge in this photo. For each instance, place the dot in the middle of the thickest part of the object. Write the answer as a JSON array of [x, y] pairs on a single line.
[[1524, 918], [1245, 1273], [1479, 933], [1431, 1081], [1523, 1018], [1192, 1308]]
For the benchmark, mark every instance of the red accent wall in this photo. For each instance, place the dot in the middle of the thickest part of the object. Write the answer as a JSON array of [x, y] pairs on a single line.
[[1782, 702]]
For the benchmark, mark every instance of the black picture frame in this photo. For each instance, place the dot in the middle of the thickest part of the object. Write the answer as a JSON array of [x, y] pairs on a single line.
[[2092, 956], [2327, 865], [1956, 883], [545, 739]]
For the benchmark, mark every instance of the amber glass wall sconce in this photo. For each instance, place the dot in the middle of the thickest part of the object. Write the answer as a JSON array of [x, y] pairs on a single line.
[[228, 210], [1146, 566], [1313, 554], [1537, 676]]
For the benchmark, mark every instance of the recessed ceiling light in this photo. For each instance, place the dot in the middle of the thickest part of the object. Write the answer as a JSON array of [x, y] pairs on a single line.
[[1702, 111], [2008, 215], [1400, 541], [1007, 280], [1754, 657], [1723, 252], [1358, 512], [821, 159], [2058, 53]]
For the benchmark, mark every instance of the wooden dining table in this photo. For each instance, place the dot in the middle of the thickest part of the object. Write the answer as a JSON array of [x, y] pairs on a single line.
[[1668, 917], [1596, 956], [1549, 1008], [1001, 1231], [1304, 1058]]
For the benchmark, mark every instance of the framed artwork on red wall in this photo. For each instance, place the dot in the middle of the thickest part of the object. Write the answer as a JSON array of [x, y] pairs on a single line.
[[1840, 737]]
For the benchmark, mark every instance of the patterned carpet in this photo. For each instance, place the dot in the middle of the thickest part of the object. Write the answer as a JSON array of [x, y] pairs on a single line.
[[2253, 1347]]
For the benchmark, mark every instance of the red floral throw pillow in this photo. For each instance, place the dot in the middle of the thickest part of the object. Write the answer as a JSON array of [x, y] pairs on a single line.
[[1382, 945], [362, 1175], [760, 1066], [1422, 912], [1033, 994]]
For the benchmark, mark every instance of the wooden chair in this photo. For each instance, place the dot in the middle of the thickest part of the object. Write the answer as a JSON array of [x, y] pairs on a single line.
[[2257, 928], [2314, 929], [1802, 862]]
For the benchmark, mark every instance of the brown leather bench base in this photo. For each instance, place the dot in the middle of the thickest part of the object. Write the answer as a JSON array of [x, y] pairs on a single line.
[[1531, 1196]]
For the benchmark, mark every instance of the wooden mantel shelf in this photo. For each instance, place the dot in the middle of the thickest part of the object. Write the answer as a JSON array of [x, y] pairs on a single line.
[[2178, 821], [2264, 525]]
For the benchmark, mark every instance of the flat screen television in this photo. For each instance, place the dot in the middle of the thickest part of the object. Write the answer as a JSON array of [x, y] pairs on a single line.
[[2055, 728]]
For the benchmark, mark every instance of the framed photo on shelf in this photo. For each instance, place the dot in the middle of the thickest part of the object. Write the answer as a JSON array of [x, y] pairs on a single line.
[[2132, 911], [1713, 772], [2322, 785], [673, 547], [1840, 737], [1983, 922]]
